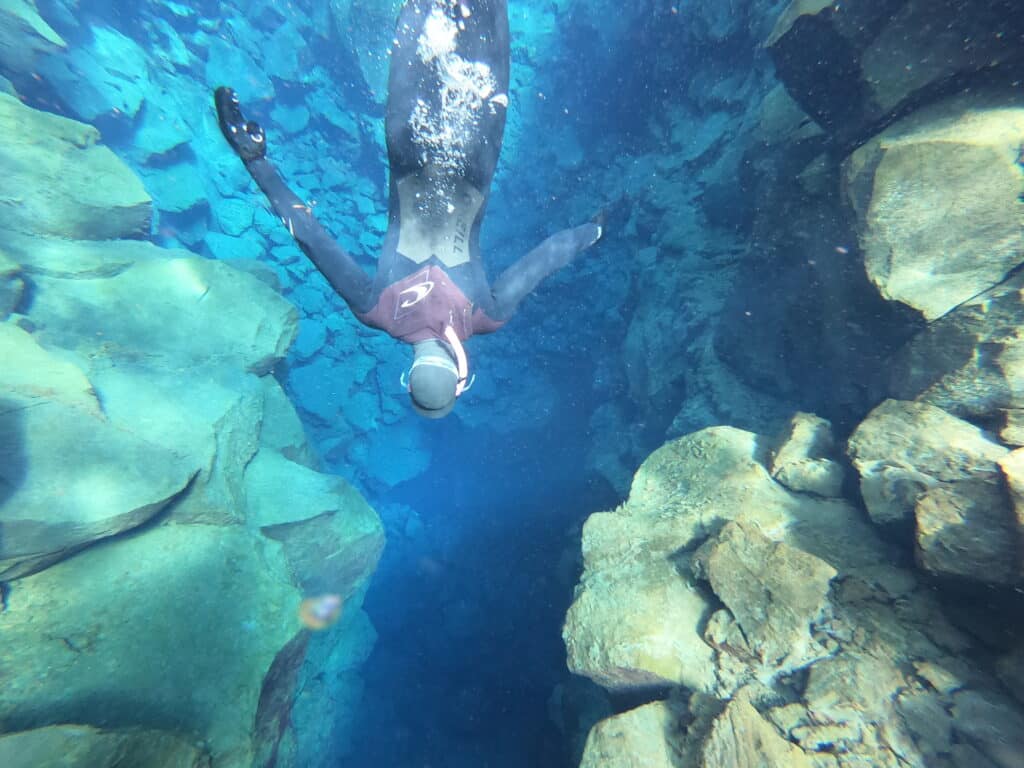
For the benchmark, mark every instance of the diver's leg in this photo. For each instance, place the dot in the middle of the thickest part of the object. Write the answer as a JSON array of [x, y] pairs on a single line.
[[448, 89], [447, 99], [516, 282], [249, 142]]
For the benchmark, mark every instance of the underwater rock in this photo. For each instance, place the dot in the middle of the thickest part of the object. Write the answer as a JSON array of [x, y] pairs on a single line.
[[159, 130], [938, 201], [1012, 432], [83, 746], [640, 738], [228, 247], [363, 31], [853, 65], [177, 188], [234, 216], [233, 318], [109, 75], [968, 531], [311, 339], [56, 180], [175, 628], [903, 448], [68, 475], [638, 616], [24, 35], [330, 690], [229, 64], [783, 594], [212, 418], [12, 286], [281, 430], [1012, 467], [803, 462], [330, 536], [969, 362], [741, 738], [291, 119], [888, 680]]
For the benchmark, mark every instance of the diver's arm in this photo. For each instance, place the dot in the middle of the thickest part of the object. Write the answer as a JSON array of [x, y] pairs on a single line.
[[334, 263], [516, 282]]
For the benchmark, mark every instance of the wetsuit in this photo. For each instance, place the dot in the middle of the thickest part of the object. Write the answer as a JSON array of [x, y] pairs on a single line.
[[447, 102]]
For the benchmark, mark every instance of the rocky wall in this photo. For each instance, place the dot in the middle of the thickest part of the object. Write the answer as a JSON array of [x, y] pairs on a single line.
[[161, 516], [772, 612]]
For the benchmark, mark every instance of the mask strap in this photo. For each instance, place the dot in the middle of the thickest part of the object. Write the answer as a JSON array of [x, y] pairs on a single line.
[[460, 359]]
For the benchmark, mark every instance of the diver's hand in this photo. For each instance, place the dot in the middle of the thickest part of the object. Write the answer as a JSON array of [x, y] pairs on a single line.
[[245, 137]]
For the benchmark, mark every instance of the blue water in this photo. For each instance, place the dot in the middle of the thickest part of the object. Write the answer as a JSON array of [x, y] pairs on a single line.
[[701, 305]]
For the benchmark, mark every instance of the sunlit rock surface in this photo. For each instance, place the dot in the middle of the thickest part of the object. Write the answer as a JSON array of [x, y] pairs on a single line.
[[938, 202], [643, 611], [830, 648], [852, 65], [161, 514], [56, 180], [24, 35]]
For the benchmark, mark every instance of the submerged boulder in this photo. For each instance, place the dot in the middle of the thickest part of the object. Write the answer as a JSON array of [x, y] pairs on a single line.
[[804, 460], [640, 738], [918, 463], [55, 179], [971, 361], [24, 35], [938, 202], [854, 64], [233, 319], [83, 745], [642, 615], [147, 568], [174, 628], [822, 655], [68, 475]]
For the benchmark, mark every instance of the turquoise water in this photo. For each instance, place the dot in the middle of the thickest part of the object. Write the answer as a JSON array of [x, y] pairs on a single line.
[[743, 481]]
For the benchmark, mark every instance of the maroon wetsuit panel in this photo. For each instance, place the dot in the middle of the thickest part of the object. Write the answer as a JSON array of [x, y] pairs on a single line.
[[422, 305]]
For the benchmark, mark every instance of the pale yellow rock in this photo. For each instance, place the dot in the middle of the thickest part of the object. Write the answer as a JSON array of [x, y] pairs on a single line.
[[639, 738], [780, 596], [969, 531], [803, 459], [1012, 467], [938, 202], [904, 448], [637, 617], [1012, 432], [741, 738]]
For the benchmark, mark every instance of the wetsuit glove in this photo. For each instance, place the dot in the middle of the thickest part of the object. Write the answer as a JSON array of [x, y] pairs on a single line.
[[245, 136]]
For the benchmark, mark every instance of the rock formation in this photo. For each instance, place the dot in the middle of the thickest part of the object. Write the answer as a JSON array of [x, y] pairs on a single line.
[[791, 618], [161, 516]]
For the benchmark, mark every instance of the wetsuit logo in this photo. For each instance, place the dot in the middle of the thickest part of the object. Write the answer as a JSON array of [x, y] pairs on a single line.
[[415, 293]]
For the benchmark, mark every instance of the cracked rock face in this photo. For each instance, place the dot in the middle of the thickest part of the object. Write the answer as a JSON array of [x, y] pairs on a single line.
[[938, 202], [829, 655], [918, 463]]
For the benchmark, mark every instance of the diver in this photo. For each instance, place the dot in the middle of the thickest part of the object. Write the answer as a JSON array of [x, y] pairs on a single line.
[[447, 102]]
